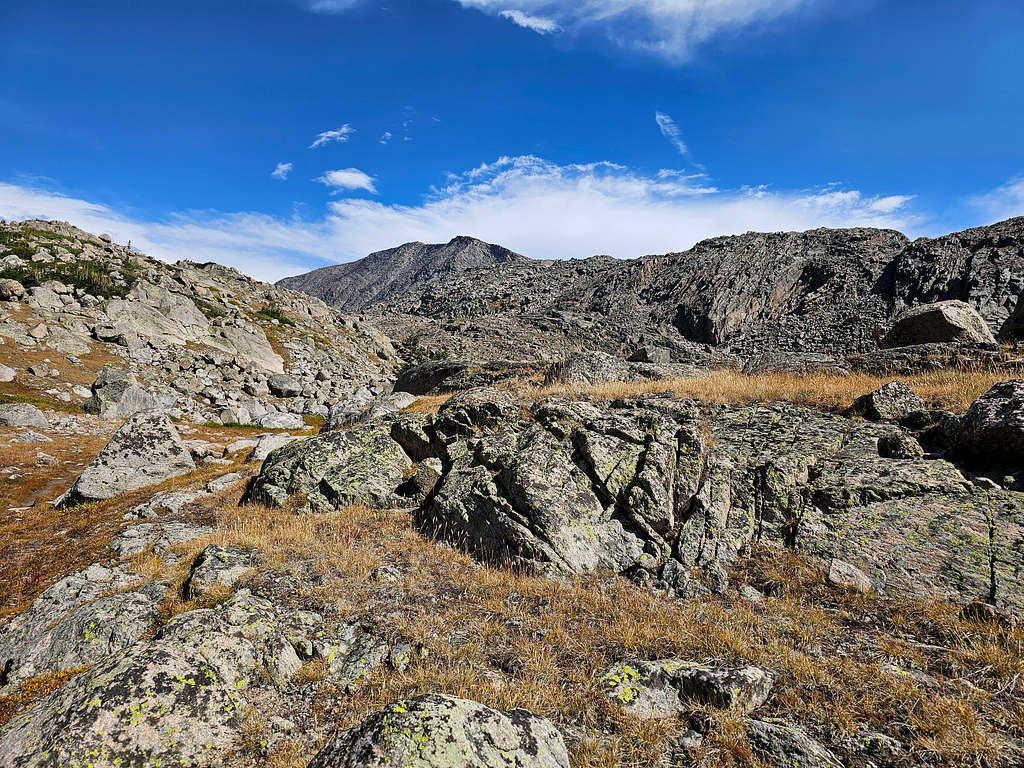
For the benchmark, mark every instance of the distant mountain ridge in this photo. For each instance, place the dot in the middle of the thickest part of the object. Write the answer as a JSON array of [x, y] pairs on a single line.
[[830, 291], [385, 275]]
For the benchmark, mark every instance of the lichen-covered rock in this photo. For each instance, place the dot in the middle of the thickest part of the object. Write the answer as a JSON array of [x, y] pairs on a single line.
[[659, 689], [216, 567], [993, 427], [842, 574], [888, 403], [941, 322], [158, 537], [353, 652], [434, 731], [788, 746], [659, 486], [146, 450], [76, 621], [85, 636], [361, 465], [21, 415], [177, 699], [900, 446], [475, 411]]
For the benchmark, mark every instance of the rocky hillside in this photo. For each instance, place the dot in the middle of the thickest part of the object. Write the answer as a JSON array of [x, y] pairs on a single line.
[[385, 275], [201, 340], [243, 530], [823, 291]]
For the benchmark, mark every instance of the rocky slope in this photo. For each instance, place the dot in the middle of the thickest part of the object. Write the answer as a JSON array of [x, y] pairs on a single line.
[[826, 291], [385, 275], [594, 563], [201, 340]]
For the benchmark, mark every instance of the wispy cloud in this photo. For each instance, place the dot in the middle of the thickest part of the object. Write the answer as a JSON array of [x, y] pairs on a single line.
[[282, 171], [338, 134], [539, 24], [385, 137], [671, 131], [671, 28], [1004, 202], [348, 178], [331, 6]]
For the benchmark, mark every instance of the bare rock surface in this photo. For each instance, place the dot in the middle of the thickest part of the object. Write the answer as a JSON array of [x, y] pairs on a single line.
[[146, 450]]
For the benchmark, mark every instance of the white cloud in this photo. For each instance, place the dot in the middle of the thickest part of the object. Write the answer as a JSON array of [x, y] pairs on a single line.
[[672, 28], [348, 178], [1005, 202], [282, 171], [528, 204], [338, 134], [262, 246], [671, 131], [539, 24], [385, 137]]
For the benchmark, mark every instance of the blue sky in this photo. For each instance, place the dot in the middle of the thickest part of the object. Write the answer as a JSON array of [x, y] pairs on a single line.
[[278, 135]]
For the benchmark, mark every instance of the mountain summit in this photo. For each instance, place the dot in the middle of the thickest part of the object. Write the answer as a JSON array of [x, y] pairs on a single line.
[[384, 275]]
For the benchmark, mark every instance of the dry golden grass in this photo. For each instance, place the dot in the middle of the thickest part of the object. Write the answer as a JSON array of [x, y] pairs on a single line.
[[510, 639], [953, 390], [31, 691], [429, 403], [41, 545]]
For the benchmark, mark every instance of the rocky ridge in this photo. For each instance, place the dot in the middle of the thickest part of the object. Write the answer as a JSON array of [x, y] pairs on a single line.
[[201, 341], [823, 291]]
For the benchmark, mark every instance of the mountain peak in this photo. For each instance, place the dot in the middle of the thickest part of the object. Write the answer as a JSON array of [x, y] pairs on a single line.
[[386, 274]]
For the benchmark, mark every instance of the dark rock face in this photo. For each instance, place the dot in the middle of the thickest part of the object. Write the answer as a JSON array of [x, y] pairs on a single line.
[[944, 322], [828, 291], [384, 275], [1013, 328]]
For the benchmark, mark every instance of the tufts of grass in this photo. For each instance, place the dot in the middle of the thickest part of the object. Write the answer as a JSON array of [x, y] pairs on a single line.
[[39, 402], [31, 691]]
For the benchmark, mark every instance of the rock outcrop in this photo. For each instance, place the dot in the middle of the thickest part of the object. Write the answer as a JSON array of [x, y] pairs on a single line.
[[825, 291], [384, 275], [434, 731], [661, 489], [145, 450]]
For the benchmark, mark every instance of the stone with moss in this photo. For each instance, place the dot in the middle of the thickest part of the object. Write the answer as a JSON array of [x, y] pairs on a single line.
[[436, 731]]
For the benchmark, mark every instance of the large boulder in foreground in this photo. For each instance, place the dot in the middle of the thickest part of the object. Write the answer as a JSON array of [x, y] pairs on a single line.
[[146, 450], [361, 465], [177, 699], [993, 427], [941, 322], [435, 731]]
